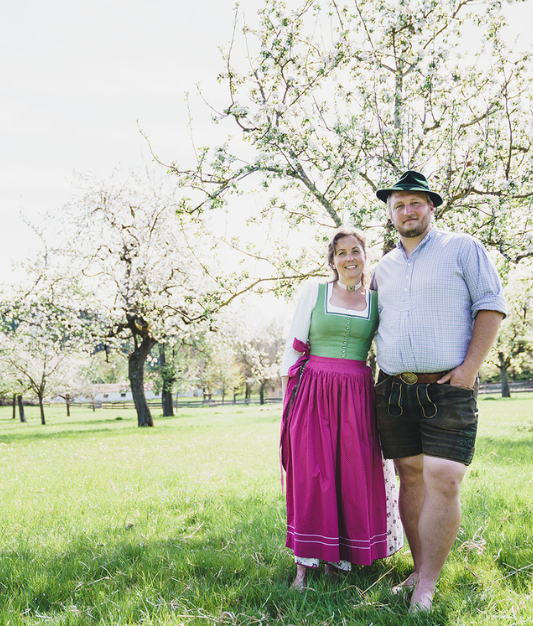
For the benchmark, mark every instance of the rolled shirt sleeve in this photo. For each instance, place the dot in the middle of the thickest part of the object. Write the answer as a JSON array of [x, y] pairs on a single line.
[[482, 278]]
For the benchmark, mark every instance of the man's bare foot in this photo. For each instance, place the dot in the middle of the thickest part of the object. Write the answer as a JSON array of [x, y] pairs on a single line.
[[301, 577], [407, 585], [422, 599]]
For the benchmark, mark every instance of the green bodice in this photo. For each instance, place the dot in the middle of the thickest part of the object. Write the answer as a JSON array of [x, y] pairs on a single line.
[[342, 335]]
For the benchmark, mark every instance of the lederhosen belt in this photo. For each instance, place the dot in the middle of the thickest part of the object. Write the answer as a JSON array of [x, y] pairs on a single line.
[[411, 378]]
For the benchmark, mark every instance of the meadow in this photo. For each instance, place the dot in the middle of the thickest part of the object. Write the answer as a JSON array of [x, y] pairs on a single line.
[[102, 522]]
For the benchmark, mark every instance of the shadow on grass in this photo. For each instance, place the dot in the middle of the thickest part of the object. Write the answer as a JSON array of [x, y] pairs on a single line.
[[225, 563], [52, 434], [79, 430], [117, 425]]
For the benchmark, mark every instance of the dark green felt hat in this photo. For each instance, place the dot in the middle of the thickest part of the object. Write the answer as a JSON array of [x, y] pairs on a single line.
[[410, 181]]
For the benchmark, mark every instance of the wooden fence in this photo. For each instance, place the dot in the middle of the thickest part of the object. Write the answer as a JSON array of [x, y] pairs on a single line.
[[156, 404]]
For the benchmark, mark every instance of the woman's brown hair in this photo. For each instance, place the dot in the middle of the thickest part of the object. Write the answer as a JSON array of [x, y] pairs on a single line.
[[340, 233]]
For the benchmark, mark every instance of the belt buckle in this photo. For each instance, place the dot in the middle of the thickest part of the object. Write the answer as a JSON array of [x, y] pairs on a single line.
[[410, 378]]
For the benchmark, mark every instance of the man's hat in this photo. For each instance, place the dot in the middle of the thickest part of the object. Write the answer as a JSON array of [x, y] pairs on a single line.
[[410, 181]]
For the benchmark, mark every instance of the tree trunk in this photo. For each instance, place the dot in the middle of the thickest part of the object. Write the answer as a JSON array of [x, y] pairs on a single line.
[[504, 381], [21, 409], [41, 408], [262, 394], [14, 405], [67, 402], [136, 362], [168, 382], [166, 401]]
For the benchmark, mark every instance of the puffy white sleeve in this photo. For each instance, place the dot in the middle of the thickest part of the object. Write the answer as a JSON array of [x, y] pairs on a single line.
[[300, 325]]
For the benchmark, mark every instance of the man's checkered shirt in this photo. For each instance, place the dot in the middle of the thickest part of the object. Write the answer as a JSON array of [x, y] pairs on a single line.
[[428, 302]]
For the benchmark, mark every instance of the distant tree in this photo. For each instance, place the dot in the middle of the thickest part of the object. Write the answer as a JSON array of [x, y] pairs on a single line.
[[228, 373], [167, 372], [106, 367], [260, 357], [73, 382], [156, 267], [205, 372], [203, 360], [218, 369], [99, 369], [180, 369], [20, 407], [68, 396], [173, 370], [164, 373], [515, 339], [11, 386], [43, 325], [129, 245]]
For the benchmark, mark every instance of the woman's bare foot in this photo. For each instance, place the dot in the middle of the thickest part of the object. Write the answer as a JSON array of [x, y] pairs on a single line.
[[422, 598], [330, 571], [301, 577], [407, 585]]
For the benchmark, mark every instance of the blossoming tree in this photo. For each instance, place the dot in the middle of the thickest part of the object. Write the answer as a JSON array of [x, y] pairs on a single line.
[[335, 99], [46, 325], [158, 270]]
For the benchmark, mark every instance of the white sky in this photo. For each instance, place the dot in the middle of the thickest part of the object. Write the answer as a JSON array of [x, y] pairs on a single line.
[[75, 77]]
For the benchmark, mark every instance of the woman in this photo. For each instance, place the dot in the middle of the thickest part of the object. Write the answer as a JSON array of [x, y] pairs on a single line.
[[341, 498]]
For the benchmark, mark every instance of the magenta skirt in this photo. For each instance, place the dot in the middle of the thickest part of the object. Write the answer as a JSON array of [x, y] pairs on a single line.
[[335, 486]]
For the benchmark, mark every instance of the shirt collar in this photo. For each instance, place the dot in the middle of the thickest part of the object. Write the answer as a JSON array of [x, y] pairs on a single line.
[[428, 237]]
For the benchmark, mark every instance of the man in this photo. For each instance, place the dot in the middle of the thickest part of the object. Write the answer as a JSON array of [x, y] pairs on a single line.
[[440, 306]]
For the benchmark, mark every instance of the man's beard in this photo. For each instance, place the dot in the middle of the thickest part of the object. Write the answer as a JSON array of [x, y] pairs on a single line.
[[420, 229]]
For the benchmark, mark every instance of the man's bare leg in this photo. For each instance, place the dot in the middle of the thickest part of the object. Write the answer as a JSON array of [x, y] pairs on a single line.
[[438, 524], [410, 469]]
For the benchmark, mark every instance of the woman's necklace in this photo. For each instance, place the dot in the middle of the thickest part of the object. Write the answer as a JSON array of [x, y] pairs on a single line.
[[349, 288]]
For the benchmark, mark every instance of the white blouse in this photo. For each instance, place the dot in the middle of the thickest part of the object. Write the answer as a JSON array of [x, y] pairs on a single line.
[[301, 321]]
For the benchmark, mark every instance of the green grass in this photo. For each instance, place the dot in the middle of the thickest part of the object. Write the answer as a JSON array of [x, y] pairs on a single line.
[[105, 523]]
